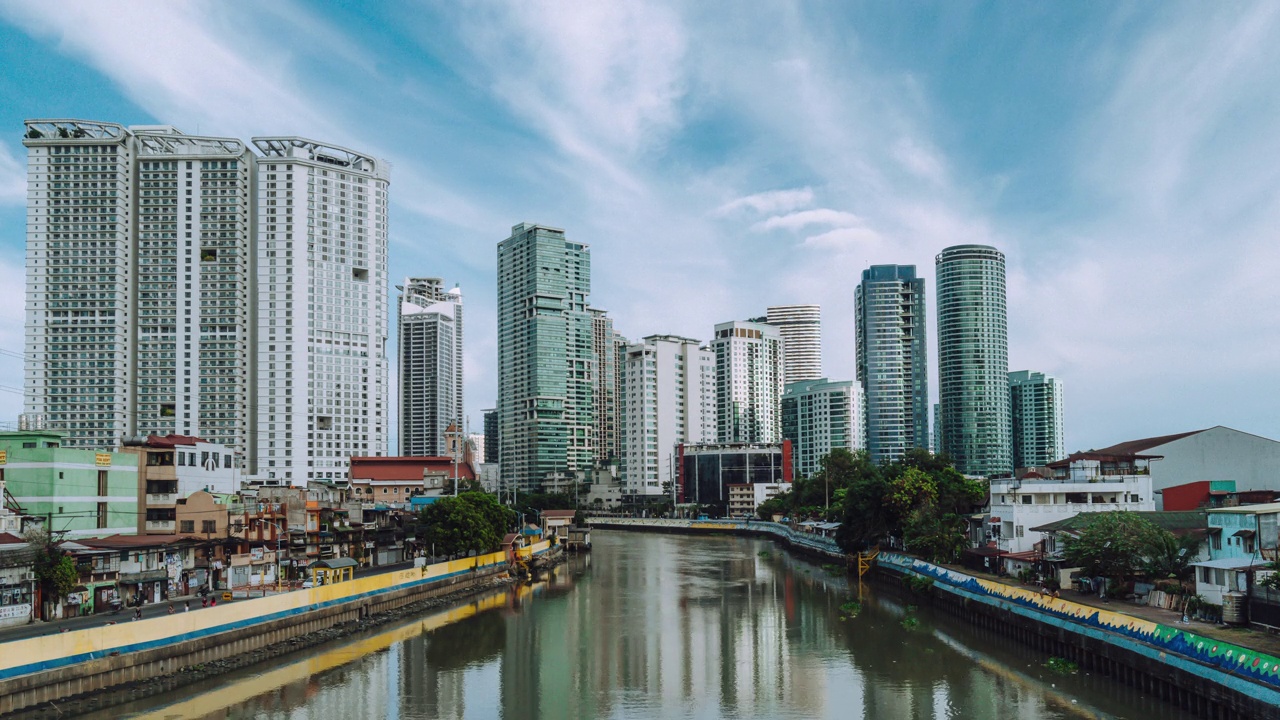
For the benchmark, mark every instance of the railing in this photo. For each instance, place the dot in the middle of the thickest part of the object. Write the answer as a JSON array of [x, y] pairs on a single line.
[[161, 524], [778, 530], [162, 498]]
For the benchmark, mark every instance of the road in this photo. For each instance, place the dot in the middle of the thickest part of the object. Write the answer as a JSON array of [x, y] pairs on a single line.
[[41, 629]]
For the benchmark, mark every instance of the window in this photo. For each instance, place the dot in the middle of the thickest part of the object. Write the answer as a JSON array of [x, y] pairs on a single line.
[[187, 526], [208, 526], [1219, 576], [1248, 545], [1217, 539], [1026, 499], [1206, 575], [102, 512], [226, 461], [102, 486]]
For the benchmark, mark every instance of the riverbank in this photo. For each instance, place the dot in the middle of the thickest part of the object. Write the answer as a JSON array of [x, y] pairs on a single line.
[[189, 675], [51, 669], [1205, 675]]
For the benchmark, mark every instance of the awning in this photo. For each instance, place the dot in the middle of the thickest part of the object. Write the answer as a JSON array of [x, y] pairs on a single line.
[[1214, 530], [1243, 533], [994, 519]]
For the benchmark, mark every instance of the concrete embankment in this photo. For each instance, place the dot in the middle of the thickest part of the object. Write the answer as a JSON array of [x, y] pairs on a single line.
[[50, 669], [813, 545], [1207, 677]]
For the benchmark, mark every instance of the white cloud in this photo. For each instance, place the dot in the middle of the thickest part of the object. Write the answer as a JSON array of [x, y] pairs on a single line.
[[770, 201], [804, 218], [13, 178], [843, 239]]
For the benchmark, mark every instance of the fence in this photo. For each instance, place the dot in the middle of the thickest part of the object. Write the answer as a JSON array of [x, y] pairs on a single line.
[[810, 541]]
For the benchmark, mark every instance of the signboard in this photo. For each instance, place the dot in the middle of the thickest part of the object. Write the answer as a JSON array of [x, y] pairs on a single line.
[[4, 456], [102, 459], [8, 612], [256, 553]]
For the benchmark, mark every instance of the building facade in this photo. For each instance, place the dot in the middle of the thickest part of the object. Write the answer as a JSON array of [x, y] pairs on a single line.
[[1216, 453], [707, 471], [140, 260], [973, 360], [748, 382], [669, 400], [545, 356], [604, 392], [1035, 402], [892, 360], [79, 493], [322, 309], [819, 416], [1080, 483], [801, 328], [430, 353]]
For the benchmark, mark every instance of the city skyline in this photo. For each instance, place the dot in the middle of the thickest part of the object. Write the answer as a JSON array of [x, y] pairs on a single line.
[[1105, 190]]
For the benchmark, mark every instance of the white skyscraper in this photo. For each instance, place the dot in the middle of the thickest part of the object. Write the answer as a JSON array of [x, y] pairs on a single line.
[[748, 382], [819, 416], [139, 265], [801, 327], [669, 390], [430, 352], [322, 308]]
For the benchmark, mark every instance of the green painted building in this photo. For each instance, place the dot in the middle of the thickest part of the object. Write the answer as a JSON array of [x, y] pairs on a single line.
[[81, 493]]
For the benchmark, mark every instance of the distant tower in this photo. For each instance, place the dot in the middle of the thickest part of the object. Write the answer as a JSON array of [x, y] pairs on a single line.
[[670, 395], [1035, 400], [430, 354], [801, 327], [892, 360], [604, 391], [819, 416], [973, 360], [545, 356], [748, 382]]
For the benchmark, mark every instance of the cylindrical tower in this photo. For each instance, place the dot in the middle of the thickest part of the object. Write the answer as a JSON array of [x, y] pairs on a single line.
[[973, 360]]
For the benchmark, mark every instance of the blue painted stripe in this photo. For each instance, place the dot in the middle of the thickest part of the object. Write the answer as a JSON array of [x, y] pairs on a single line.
[[218, 629]]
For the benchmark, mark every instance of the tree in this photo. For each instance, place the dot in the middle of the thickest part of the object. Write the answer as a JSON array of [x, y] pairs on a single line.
[[54, 570], [1170, 556], [471, 521], [1112, 544]]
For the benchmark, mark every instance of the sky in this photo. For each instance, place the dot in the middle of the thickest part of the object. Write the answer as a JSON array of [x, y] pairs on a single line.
[[723, 157]]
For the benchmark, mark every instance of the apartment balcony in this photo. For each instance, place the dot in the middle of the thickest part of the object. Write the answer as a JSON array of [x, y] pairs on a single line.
[[161, 526], [160, 499]]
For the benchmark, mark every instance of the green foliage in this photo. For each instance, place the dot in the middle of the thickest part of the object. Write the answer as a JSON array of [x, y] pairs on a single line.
[[54, 570], [1272, 581], [579, 518], [918, 584], [472, 521], [1170, 556], [851, 609], [832, 569], [1062, 666], [1112, 544], [465, 485], [913, 488]]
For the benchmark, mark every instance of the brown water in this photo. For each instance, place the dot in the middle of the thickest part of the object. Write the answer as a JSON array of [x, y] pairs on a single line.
[[662, 626]]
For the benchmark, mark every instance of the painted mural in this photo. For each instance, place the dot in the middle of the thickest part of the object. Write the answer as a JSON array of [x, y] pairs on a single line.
[[1229, 658]]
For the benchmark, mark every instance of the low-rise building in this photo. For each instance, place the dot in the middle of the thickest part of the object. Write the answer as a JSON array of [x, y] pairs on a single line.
[[705, 472], [1211, 494], [1194, 523], [1241, 540], [17, 580], [80, 493], [744, 498], [1216, 453], [1082, 483], [173, 467]]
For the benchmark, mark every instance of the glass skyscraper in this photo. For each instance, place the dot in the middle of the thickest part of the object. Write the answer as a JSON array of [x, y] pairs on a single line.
[[973, 360], [546, 363], [1035, 400], [892, 361]]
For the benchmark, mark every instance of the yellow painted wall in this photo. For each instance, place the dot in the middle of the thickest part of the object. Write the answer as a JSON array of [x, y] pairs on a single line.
[[163, 627]]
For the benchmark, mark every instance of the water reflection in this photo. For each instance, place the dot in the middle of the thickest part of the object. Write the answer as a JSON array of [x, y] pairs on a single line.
[[665, 626]]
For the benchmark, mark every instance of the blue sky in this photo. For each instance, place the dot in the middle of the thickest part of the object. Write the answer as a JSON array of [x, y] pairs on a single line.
[[721, 157]]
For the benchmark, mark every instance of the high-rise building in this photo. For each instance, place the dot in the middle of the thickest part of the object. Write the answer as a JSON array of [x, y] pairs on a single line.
[[819, 416], [670, 400], [801, 327], [545, 356], [491, 436], [140, 283], [604, 391], [973, 360], [430, 352], [748, 382], [322, 308], [935, 435], [1035, 402], [892, 360]]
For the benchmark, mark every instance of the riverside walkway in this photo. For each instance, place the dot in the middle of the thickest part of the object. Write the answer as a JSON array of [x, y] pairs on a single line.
[[809, 541]]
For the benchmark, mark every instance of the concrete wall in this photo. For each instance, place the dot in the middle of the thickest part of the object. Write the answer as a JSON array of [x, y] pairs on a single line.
[[1218, 453], [57, 666]]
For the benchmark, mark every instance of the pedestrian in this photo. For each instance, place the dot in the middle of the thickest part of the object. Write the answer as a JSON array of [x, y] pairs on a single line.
[[137, 614], [186, 606], [170, 608], [213, 602], [204, 602]]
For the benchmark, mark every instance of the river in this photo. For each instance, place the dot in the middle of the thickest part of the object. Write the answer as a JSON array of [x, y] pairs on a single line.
[[664, 626]]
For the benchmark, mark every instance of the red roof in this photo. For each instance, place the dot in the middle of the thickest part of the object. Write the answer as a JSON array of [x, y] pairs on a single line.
[[406, 469], [171, 440], [132, 541], [1106, 456], [10, 539], [1137, 446], [558, 513]]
